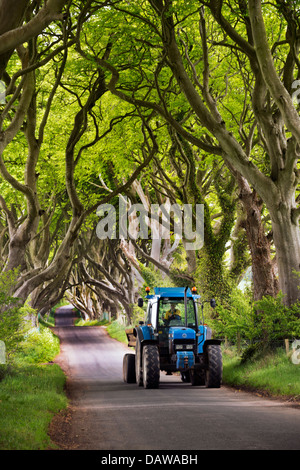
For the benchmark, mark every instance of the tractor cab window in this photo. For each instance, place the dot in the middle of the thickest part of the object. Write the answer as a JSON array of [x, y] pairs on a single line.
[[149, 313], [172, 312]]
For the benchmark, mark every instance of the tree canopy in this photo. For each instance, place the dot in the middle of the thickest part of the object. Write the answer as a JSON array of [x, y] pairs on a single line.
[[157, 103]]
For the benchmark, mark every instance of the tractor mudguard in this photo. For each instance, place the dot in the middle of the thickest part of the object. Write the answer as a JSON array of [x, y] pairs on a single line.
[[144, 336], [210, 341]]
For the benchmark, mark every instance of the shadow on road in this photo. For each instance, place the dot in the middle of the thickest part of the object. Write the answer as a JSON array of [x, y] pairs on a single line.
[[65, 316]]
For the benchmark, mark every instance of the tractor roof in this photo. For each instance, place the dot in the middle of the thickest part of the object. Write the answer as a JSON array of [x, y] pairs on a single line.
[[171, 292]]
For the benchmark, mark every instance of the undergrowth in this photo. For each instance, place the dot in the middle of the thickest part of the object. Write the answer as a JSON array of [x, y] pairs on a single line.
[[31, 392], [272, 372]]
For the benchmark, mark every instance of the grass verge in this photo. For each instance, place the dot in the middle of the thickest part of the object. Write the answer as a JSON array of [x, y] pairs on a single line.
[[117, 331], [81, 322], [274, 374], [31, 392]]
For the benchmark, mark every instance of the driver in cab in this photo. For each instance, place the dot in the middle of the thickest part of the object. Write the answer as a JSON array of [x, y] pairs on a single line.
[[172, 314]]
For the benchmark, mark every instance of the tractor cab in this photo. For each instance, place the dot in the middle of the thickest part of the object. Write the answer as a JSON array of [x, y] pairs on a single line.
[[172, 338], [172, 312], [172, 307]]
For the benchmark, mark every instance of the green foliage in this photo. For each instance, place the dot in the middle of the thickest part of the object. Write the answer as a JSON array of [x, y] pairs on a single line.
[[275, 319], [138, 314], [266, 320], [235, 316], [29, 396], [212, 277], [39, 345], [91, 322], [47, 320], [13, 314], [117, 331], [31, 393], [154, 278], [273, 372]]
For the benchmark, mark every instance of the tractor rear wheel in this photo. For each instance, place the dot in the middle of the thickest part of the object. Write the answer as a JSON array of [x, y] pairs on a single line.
[[151, 367], [138, 365], [213, 375], [129, 368]]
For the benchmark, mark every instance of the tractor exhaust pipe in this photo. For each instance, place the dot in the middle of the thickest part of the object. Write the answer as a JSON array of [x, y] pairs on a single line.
[[185, 306]]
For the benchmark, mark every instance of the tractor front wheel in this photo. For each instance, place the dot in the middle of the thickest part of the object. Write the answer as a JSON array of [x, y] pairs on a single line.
[[138, 365], [151, 366], [213, 376]]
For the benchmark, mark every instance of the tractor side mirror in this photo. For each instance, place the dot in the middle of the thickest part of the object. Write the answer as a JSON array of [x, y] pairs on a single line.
[[213, 303], [140, 302]]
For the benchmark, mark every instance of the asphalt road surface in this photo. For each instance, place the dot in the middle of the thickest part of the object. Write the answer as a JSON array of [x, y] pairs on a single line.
[[107, 414]]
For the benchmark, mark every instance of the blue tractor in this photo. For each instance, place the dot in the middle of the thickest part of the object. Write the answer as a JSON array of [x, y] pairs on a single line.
[[173, 339]]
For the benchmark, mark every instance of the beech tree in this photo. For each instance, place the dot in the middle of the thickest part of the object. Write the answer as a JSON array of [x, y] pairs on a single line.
[[20, 199], [263, 149]]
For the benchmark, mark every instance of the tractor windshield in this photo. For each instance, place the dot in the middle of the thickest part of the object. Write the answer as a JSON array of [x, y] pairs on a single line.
[[172, 312]]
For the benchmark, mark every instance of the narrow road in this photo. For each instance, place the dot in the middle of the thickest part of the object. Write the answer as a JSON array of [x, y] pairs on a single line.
[[107, 414]]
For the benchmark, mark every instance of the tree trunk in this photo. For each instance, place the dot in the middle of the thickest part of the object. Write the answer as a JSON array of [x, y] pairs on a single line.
[[287, 241], [264, 277], [11, 16]]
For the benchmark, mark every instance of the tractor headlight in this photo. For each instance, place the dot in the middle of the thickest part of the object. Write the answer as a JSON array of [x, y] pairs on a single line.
[[180, 347]]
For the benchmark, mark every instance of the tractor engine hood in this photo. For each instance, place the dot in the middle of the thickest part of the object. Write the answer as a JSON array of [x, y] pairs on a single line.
[[179, 333], [182, 347]]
